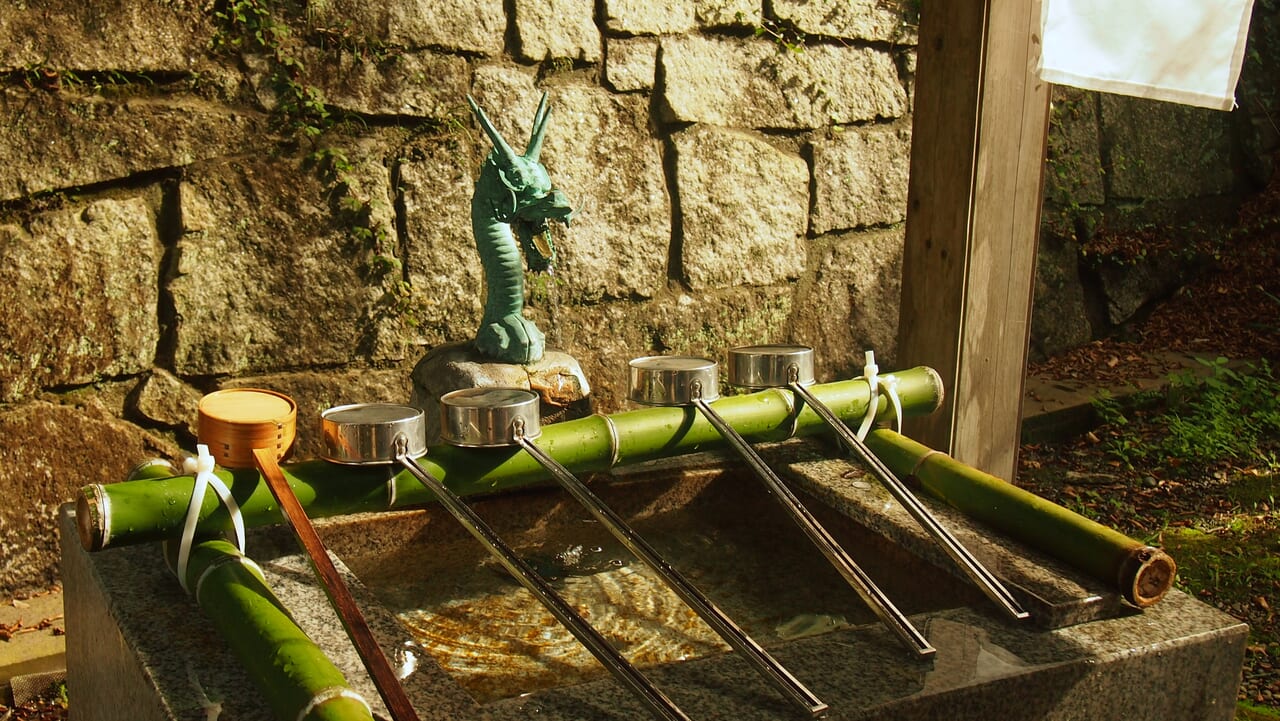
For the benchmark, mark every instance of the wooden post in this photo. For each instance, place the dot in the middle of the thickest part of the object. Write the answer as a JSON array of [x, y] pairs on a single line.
[[977, 157]]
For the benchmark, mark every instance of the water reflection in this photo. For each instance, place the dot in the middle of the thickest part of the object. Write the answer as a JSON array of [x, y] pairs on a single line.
[[727, 537], [966, 655]]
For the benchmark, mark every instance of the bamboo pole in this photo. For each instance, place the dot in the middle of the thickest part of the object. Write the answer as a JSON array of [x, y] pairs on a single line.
[[298, 681], [151, 510], [357, 628], [1142, 573]]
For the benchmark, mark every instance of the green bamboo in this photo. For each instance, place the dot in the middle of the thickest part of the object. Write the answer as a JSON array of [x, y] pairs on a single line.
[[1140, 572], [151, 510], [290, 669]]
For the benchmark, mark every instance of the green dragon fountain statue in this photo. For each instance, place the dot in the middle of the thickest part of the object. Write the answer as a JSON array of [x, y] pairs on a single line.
[[513, 192]]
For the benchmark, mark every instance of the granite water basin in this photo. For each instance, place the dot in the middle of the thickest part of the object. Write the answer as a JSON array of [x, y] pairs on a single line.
[[135, 641], [722, 530]]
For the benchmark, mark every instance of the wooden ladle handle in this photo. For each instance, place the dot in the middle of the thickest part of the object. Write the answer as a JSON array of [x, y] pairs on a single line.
[[375, 662]]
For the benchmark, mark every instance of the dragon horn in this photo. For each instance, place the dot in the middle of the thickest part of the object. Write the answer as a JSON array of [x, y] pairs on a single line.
[[539, 130], [500, 146]]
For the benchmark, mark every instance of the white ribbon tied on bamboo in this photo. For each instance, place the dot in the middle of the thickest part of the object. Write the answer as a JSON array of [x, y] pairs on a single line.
[[1182, 51], [202, 465], [876, 383]]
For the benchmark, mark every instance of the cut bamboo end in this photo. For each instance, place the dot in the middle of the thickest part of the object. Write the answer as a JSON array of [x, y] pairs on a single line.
[[1146, 575], [235, 421], [89, 518], [939, 387]]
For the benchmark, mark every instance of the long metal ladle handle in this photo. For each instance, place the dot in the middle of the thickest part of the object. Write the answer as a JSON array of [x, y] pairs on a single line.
[[766, 664], [983, 578], [855, 576], [620, 667], [384, 677]]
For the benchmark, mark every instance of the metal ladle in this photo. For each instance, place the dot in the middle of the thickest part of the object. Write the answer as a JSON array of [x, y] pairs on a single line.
[[487, 417], [791, 366], [470, 430], [686, 380], [373, 433]]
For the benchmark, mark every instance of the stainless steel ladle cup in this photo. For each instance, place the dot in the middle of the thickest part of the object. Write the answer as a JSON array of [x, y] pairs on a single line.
[[791, 366], [488, 417], [691, 381]]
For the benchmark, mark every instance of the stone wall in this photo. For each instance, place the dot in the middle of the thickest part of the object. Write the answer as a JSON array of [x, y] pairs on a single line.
[[275, 193], [1140, 195], [248, 193]]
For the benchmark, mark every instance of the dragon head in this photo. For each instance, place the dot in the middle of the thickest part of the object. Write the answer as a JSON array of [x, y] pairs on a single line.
[[531, 202]]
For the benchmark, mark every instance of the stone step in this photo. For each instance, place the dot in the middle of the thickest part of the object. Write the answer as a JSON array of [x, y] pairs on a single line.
[[31, 652], [1054, 408]]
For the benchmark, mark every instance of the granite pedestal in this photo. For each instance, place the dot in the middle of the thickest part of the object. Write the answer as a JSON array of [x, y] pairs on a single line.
[[137, 647]]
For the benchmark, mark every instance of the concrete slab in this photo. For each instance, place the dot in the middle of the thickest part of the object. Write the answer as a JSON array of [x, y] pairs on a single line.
[[1055, 408], [36, 632]]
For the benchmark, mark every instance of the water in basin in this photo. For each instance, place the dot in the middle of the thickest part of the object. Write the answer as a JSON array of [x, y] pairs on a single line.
[[722, 530]]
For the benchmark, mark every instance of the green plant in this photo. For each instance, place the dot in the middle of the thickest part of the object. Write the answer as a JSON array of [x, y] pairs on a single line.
[[1273, 298], [42, 76], [342, 36], [1229, 415], [785, 35], [248, 25], [1224, 416], [557, 66], [355, 209], [1124, 447], [544, 289], [252, 26], [1107, 407]]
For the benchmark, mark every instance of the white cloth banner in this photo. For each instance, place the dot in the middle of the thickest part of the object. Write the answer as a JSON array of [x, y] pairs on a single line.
[[1183, 51]]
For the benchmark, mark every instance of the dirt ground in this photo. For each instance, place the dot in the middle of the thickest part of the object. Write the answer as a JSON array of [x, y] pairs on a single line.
[[1219, 520]]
